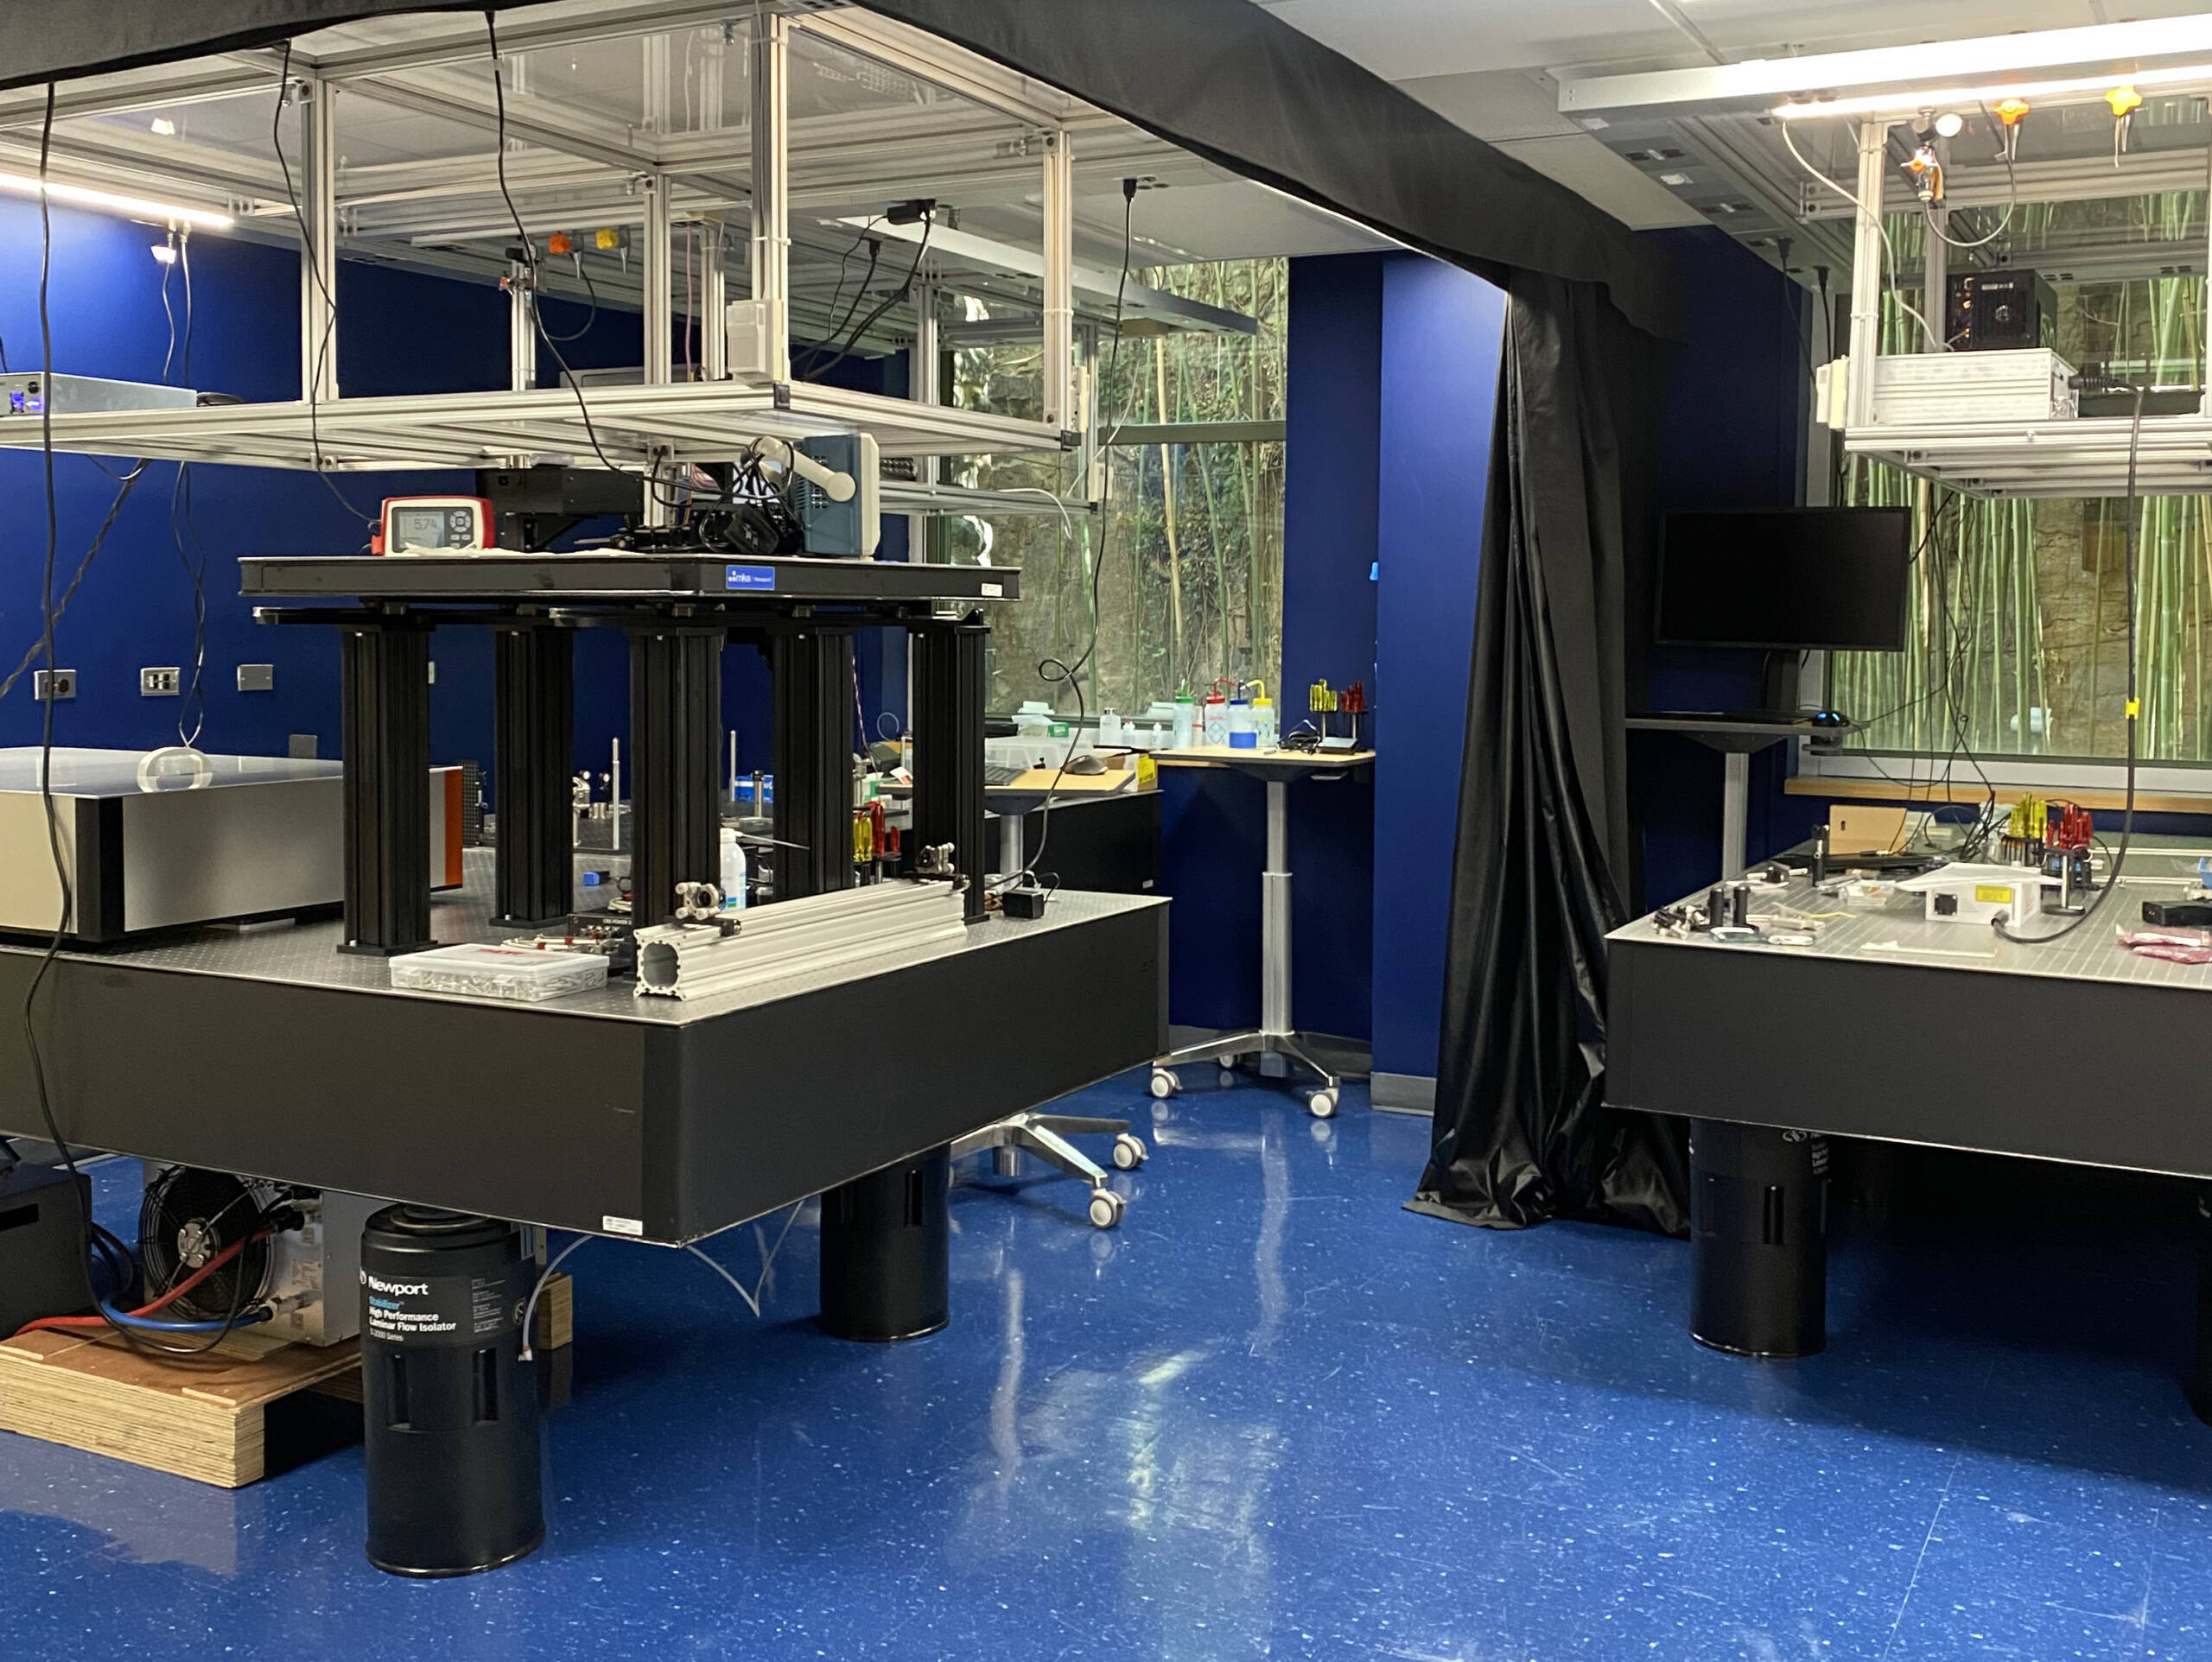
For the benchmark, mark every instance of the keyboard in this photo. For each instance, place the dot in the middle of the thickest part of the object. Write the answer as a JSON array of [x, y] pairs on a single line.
[[998, 773]]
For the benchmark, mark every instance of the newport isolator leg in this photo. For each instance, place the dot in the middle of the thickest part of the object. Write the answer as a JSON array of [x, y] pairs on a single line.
[[449, 1420], [885, 1252], [1758, 1240]]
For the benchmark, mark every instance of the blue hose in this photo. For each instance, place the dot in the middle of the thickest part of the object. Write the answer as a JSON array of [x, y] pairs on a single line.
[[154, 1325]]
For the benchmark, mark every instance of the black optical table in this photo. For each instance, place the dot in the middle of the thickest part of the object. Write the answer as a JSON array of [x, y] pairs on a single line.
[[2078, 1051], [277, 1055]]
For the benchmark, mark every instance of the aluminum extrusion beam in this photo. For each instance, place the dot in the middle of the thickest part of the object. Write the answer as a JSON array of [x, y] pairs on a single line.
[[318, 211], [1057, 203], [770, 252], [802, 936]]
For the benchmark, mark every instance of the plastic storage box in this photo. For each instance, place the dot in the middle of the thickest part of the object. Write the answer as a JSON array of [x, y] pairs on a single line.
[[487, 971]]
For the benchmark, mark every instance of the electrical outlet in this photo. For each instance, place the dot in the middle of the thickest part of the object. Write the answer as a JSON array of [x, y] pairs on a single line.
[[56, 684], [257, 677], [160, 683]]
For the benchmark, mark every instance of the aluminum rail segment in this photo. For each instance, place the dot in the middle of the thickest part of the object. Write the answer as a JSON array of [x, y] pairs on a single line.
[[634, 425]]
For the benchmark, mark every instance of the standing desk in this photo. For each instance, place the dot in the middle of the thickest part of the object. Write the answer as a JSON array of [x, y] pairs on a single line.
[[1275, 1043]]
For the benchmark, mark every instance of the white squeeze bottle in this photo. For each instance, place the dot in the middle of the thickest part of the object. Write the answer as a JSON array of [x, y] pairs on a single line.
[[733, 869]]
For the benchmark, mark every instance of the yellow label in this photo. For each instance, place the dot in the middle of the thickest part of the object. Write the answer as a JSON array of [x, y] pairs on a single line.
[[2134, 709], [1993, 894], [1148, 772]]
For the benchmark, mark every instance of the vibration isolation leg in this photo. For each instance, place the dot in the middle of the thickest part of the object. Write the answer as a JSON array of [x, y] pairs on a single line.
[[2200, 1379], [949, 663], [386, 721], [812, 669], [533, 750], [450, 1428], [885, 1252], [1758, 1240], [675, 721]]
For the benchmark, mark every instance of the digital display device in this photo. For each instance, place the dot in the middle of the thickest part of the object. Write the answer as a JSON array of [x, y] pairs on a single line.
[[1791, 578], [436, 525]]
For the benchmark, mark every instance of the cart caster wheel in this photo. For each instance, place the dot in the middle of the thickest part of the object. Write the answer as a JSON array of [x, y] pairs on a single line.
[[1129, 1152], [1164, 1084], [1229, 1076], [1105, 1207], [1322, 1105]]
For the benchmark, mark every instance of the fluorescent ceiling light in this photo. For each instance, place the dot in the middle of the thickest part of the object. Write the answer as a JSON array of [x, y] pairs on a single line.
[[130, 207], [1907, 102]]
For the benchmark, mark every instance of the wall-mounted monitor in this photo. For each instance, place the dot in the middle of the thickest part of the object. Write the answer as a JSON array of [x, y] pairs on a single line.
[[1788, 579]]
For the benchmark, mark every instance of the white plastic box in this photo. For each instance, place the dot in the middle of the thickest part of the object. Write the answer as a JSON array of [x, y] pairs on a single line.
[[526, 973], [1917, 390]]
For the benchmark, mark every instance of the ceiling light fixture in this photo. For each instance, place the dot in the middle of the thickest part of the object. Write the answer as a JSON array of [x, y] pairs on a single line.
[[130, 207], [1910, 104]]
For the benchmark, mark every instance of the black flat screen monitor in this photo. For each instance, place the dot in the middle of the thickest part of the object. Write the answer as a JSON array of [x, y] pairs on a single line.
[[1799, 579]]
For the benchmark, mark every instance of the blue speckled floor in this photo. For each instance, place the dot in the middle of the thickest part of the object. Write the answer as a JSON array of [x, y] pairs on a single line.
[[1272, 1415]]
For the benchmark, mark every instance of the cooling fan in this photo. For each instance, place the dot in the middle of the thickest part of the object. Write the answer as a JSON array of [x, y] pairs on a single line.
[[310, 1245], [187, 1218]]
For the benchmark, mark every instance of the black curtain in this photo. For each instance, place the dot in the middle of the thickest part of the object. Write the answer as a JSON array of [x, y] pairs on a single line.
[[1543, 856]]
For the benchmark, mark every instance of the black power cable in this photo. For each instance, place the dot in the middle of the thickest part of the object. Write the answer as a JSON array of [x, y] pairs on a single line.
[[895, 297], [1053, 671]]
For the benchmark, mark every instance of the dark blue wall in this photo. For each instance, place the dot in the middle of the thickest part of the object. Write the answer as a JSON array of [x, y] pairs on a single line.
[[1736, 406], [1442, 340], [1393, 385], [404, 332], [1213, 822]]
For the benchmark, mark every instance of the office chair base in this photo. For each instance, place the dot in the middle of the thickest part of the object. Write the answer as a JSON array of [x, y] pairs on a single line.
[[1045, 1135], [1277, 1053]]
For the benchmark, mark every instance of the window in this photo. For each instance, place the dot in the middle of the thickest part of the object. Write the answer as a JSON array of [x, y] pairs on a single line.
[[1187, 559], [2017, 633]]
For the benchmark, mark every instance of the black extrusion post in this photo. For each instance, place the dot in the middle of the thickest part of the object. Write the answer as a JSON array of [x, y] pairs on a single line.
[[535, 718], [387, 739], [1758, 1240], [813, 673], [675, 721], [949, 664], [885, 1252]]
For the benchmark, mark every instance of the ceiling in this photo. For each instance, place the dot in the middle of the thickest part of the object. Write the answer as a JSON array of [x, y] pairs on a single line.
[[1492, 67], [598, 92]]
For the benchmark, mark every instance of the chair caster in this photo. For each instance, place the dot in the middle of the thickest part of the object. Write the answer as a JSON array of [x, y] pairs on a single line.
[[1105, 1207], [1322, 1105], [1164, 1083], [1129, 1152]]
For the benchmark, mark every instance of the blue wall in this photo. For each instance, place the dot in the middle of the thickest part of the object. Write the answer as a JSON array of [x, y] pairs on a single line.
[[1442, 340], [1393, 385], [402, 332], [1736, 406], [1213, 823]]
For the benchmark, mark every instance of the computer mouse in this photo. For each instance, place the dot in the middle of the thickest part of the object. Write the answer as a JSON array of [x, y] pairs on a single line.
[[1088, 763], [1827, 719]]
